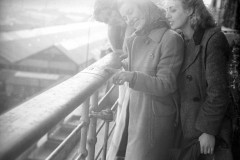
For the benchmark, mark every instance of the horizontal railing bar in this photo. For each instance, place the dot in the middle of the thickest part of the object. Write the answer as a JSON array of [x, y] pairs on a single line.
[[99, 152], [105, 96], [100, 127], [25, 124], [114, 106], [63, 143], [112, 129]]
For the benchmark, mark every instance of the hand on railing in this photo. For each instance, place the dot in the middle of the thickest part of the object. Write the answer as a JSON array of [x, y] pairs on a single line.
[[106, 115], [121, 76], [122, 55]]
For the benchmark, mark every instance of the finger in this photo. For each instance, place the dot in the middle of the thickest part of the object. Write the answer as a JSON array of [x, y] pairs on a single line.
[[115, 78], [205, 150], [119, 82], [124, 56], [201, 149], [211, 150]]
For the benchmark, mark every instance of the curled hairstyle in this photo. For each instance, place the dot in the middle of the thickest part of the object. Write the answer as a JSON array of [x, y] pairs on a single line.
[[152, 12], [201, 17], [101, 5]]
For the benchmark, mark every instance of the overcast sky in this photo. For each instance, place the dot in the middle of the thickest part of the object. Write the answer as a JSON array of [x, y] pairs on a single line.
[[65, 5]]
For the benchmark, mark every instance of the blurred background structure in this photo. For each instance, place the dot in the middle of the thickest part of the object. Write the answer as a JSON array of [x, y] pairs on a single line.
[[44, 42]]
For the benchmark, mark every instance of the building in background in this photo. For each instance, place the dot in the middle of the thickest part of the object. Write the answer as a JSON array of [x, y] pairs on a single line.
[[43, 43]]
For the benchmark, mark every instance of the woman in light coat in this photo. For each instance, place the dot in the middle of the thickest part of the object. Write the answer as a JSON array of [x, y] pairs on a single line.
[[145, 125]]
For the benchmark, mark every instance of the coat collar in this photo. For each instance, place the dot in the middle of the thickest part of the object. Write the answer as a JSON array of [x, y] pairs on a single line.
[[198, 36], [154, 32], [193, 49], [191, 53]]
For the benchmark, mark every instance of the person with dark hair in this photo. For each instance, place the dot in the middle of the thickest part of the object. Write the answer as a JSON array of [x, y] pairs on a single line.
[[145, 127], [105, 11], [203, 83]]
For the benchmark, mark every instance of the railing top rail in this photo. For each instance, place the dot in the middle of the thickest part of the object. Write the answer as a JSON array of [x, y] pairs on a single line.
[[24, 125]]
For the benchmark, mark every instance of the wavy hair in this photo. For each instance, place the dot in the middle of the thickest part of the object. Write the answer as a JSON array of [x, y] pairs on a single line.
[[152, 12], [201, 17], [100, 5]]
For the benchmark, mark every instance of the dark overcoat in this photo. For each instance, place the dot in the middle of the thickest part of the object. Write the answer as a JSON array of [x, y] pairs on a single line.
[[204, 87], [156, 59]]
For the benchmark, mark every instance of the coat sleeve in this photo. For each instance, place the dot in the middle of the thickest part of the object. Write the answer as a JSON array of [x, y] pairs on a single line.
[[115, 36], [165, 80], [214, 107]]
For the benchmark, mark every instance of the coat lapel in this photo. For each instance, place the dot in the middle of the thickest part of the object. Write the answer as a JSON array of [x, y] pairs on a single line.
[[193, 48], [190, 55], [144, 43]]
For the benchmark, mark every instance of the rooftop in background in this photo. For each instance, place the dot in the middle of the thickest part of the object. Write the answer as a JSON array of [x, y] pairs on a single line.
[[71, 39]]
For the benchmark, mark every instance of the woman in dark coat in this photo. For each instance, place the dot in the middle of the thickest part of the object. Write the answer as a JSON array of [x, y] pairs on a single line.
[[155, 55], [203, 81]]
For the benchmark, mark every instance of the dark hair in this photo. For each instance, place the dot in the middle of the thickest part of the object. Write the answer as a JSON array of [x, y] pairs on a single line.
[[101, 5], [201, 17]]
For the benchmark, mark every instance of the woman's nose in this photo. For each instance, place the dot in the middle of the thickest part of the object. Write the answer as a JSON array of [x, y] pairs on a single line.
[[127, 20], [168, 16]]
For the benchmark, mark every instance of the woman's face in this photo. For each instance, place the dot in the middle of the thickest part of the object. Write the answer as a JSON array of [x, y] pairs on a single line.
[[132, 15], [177, 16]]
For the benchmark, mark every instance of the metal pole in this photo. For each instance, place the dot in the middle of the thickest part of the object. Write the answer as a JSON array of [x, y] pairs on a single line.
[[104, 153], [92, 135], [83, 141]]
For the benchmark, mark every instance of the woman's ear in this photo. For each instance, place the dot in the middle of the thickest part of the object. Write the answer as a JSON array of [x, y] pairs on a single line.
[[190, 11]]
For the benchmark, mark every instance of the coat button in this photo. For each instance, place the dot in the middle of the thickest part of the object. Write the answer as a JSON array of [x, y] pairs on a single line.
[[189, 77], [196, 99]]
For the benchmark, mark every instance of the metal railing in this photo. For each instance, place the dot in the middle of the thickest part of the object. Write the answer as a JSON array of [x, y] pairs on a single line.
[[24, 125]]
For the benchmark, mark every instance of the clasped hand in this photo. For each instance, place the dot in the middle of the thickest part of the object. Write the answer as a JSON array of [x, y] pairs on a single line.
[[120, 76]]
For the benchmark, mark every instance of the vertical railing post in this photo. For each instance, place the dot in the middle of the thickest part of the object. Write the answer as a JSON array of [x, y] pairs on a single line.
[[92, 135], [104, 153], [85, 118]]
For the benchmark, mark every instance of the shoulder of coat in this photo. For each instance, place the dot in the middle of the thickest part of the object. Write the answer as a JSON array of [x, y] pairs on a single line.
[[173, 37], [157, 34], [210, 32]]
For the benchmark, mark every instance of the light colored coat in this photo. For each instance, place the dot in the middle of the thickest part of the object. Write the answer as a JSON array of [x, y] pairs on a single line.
[[156, 58]]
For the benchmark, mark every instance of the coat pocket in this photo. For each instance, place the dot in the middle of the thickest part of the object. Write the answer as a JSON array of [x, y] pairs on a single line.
[[163, 106], [162, 131], [162, 121]]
